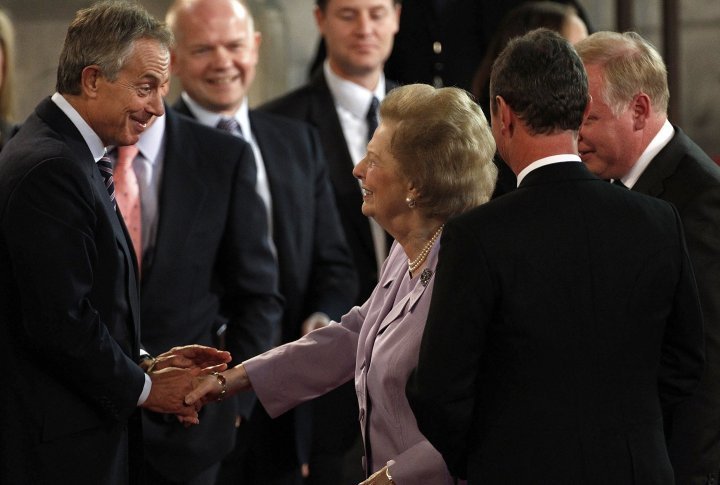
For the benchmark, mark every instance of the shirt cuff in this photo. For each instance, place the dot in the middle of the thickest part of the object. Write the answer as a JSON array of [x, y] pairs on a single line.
[[146, 390]]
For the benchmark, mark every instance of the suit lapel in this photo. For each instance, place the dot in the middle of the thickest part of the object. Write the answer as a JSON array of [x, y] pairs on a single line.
[[665, 163], [403, 306], [323, 114], [393, 310], [278, 172], [181, 196]]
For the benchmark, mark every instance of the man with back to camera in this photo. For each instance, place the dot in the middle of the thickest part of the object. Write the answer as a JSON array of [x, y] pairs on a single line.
[[577, 324], [69, 322], [214, 58], [627, 137]]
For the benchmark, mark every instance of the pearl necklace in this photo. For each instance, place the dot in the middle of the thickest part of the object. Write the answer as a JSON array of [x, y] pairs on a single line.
[[415, 263]]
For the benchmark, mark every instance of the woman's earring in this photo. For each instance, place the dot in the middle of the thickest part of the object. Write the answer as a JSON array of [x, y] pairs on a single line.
[[410, 202]]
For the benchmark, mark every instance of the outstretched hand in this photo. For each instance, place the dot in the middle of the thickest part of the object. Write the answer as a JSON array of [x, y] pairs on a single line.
[[193, 356]]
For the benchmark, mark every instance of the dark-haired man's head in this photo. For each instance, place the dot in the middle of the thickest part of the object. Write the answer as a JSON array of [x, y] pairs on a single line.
[[542, 79]]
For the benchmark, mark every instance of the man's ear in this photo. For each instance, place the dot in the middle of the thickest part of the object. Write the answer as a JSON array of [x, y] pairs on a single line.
[[641, 108], [505, 115], [398, 11], [89, 79], [319, 19]]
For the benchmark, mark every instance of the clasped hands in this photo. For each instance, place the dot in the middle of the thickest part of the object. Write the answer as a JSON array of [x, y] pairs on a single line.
[[176, 373]]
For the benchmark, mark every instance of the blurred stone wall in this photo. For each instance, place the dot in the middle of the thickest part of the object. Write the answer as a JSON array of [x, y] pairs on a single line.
[[290, 38]]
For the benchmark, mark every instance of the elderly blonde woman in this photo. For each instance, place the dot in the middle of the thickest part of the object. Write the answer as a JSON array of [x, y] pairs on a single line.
[[430, 159]]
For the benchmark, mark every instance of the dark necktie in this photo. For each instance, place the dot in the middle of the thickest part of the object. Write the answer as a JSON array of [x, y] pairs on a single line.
[[372, 119], [105, 167], [230, 125], [619, 183]]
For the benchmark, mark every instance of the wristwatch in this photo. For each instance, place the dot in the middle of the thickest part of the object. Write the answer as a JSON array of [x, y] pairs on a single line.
[[147, 362]]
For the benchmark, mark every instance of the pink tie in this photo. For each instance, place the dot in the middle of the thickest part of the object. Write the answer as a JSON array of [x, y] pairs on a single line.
[[127, 194]]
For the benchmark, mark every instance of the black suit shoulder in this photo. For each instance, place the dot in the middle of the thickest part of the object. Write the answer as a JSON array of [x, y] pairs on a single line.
[[207, 142], [298, 139], [60, 139], [693, 163], [296, 104], [264, 119]]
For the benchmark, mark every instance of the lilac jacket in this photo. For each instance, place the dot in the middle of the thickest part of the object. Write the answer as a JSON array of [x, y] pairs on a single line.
[[378, 342]]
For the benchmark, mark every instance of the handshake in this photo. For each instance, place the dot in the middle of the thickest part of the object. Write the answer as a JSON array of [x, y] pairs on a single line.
[[185, 378]]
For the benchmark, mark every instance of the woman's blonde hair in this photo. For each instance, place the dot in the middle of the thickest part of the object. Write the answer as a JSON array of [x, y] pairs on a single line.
[[444, 146]]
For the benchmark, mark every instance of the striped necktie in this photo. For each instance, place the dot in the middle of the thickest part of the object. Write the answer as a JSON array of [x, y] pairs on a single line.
[[230, 125], [106, 170]]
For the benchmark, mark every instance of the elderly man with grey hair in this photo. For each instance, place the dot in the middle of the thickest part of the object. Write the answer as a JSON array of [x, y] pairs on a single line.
[[628, 138]]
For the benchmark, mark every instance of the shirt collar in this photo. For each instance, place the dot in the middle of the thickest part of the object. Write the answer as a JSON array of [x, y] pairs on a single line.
[[658, 142], [91, 138], [210, 118], [351, 96], [547, 161], [151, 140]]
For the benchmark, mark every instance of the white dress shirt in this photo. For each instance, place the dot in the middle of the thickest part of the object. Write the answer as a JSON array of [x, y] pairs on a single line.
[[662, 138], [148, 166]]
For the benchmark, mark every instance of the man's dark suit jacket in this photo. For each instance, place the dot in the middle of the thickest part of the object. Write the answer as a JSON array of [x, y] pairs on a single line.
[[315, 265], [683, 174], [211, 264], [564, 322], [313, 103], [69, 314], [7, 130], [463, 35]]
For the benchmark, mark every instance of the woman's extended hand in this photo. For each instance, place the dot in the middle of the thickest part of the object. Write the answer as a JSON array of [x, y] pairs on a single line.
[[209, 388]]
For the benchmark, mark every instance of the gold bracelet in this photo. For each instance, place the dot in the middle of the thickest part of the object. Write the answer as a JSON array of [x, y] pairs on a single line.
[[387, 474], [223, 384]]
